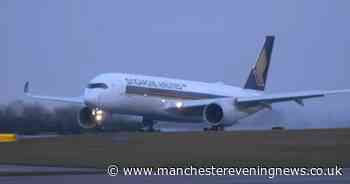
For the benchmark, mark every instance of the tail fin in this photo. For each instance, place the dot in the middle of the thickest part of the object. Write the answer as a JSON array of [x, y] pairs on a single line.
[[258, 74]]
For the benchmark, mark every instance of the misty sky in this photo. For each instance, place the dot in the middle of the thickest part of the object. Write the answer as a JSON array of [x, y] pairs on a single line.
[[60, 45]]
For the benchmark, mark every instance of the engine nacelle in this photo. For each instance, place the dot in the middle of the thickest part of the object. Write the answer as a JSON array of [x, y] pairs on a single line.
[[90, 118], [222, 113]]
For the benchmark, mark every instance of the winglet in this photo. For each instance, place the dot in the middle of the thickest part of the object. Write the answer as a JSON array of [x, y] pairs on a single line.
[[26, 88]]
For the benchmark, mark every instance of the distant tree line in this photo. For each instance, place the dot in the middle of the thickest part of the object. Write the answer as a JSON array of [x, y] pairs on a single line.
[[34, 118]]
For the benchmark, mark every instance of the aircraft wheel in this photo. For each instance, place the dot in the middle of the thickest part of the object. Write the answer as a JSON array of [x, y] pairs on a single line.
[[215, 128], [148, 125]]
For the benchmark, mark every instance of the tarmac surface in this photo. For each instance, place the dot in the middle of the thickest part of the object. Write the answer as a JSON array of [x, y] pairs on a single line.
[[326, 147], [18, 170], [87, 179], [57, 176], [67, 159]]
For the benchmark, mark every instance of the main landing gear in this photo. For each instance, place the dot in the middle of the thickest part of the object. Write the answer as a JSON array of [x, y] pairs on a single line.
[[215, 128], [148, 125]]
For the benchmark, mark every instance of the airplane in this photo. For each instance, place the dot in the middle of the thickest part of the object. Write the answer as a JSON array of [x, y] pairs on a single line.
[[164, 99]]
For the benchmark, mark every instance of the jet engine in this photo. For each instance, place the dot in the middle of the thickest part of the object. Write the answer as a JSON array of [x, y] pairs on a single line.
[[90, 118], [221, 113]]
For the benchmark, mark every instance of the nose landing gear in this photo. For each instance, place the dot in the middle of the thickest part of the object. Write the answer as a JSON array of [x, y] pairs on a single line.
[[98, 114]]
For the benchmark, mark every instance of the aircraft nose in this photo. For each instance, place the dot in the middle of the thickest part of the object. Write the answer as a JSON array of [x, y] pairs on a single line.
[[91, 99]]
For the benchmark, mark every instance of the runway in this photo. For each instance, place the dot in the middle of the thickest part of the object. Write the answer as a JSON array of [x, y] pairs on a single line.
[[100, 178], [26, 170], [326, 147], [58, 175], [69, 156]]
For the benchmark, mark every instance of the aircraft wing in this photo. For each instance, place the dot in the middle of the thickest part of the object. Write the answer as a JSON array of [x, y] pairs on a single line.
[[245, 102], [298, 97], [195, 103], [76, 100]]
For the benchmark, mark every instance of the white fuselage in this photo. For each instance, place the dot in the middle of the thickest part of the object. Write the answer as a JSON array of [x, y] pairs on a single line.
[[150, 96]]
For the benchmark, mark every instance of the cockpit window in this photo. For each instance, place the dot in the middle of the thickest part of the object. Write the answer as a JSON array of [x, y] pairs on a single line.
[[97, 85]]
